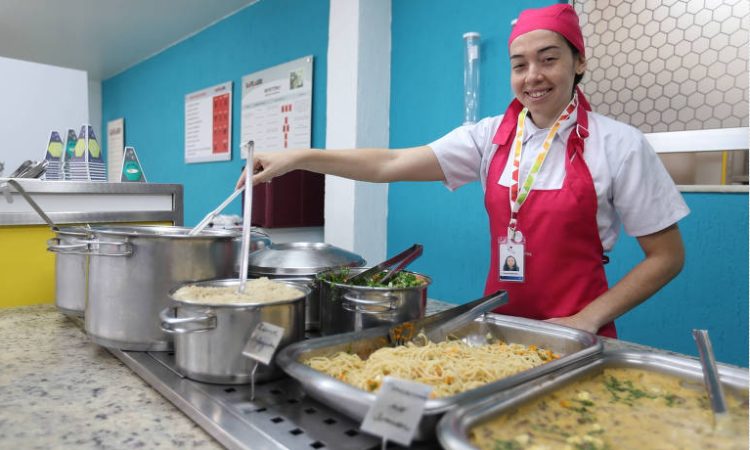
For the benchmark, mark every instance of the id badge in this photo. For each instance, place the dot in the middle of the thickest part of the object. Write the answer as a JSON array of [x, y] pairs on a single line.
[[511, 257]]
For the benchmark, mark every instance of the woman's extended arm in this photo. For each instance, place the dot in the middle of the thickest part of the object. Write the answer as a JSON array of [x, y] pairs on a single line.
[[366, 164], [664, 258]]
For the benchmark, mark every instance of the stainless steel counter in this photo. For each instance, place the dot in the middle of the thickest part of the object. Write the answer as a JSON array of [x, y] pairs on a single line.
[[83, 202]]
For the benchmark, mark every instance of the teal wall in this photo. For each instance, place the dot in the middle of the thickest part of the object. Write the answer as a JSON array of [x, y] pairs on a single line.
[[151, 95], [427, 102]]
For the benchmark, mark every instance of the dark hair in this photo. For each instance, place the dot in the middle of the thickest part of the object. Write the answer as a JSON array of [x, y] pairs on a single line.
[[576, 53]]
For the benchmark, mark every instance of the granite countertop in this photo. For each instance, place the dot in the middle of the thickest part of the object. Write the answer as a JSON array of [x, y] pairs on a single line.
[[59, 390]]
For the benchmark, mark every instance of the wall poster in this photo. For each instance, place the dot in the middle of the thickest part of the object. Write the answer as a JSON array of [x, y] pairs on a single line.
[[208, 124], [277, 106]]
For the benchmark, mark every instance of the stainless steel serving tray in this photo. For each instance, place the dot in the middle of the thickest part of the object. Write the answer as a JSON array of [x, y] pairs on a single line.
[[576, 347], [453, 429]]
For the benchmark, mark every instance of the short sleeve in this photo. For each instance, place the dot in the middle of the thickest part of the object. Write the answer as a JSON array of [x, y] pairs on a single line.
[[645, 196], [460, 152]]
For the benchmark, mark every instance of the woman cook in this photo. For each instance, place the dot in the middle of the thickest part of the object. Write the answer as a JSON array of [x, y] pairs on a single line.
[[558, 179]]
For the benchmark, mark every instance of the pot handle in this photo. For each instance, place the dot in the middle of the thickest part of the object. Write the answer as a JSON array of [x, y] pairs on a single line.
[[91, 247], [354, 304], [170, 323], [79, 248]]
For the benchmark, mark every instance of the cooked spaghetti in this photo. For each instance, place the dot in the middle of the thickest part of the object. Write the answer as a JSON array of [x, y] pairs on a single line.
[[260, 290], [450, 367]]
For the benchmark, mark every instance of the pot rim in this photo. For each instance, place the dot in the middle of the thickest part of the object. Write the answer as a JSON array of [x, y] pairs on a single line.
[[305, 292], [159, 232]]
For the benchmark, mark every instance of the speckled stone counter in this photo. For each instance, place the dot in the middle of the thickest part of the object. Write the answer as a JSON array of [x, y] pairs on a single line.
[[58, 390]]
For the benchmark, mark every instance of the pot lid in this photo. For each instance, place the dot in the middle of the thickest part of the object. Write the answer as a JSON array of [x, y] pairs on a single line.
[[301, 258]]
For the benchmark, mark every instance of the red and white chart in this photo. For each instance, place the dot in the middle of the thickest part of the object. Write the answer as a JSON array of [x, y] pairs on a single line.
[[208, 124], [277, 106]]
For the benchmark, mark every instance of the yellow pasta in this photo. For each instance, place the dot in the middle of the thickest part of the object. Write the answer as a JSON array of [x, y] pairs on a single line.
[[450, 367]]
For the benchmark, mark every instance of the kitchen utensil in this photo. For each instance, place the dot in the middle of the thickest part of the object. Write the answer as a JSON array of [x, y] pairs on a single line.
[[210, 216], [30, 169], [455, 428], [344, 307], [17, 186], [302, 261], [573, 345], [209, 338], [247, 216], [711, 377], [437, 326], [405, 257], [131, 272]]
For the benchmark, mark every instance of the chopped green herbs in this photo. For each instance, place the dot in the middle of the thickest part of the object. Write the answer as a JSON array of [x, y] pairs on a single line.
[[401, 280]]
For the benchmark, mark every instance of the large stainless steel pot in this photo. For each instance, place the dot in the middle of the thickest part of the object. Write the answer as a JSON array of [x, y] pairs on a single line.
[[300, 261], [345, 308], [71, 270], [259, 240], [209, 338], [131, 271]]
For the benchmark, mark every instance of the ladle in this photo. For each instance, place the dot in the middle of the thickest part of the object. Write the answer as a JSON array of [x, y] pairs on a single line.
[[711, 377], [34, 205], [210, 216], [247, 217]]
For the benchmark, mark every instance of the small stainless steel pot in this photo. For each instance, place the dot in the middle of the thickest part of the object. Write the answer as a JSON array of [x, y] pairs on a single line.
[[209, 338], [345, 308], [131, 271], [71, 270], [302, 261]]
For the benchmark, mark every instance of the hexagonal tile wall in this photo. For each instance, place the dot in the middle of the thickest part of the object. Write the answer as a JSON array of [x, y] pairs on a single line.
[[668, 65]]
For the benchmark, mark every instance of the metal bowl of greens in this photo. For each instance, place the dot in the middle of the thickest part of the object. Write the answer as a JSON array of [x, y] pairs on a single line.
[[346, 307]]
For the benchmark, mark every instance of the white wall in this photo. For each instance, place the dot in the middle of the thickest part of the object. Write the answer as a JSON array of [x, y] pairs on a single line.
[[34, 100], [358, 89]]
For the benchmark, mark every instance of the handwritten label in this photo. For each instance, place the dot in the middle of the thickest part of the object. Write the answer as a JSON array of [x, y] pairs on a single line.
[[397, 410], [263, 342]]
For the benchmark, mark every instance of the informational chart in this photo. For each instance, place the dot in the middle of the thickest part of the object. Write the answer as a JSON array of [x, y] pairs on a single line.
[[208, 124], [277, 106]]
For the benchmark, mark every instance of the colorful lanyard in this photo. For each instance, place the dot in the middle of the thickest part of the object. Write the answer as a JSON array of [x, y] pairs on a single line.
[[518, 198]]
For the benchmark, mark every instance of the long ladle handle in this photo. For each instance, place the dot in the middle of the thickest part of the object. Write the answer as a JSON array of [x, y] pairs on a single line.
[[247, 216], [33, 203], [210, 216], [710, 372]]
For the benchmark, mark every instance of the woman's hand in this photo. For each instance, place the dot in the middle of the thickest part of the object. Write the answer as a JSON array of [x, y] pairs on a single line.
[[268, 165]]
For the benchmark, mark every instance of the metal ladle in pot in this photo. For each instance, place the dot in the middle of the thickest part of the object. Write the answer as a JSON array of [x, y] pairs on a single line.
[[210, 216], [247, 216], [33, 203]]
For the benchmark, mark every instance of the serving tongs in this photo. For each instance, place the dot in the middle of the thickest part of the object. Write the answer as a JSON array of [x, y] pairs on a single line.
[[403, 259], [437, 327], [711, 380]]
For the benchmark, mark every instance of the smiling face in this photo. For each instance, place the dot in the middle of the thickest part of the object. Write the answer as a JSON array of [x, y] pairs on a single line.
[[542, 75]]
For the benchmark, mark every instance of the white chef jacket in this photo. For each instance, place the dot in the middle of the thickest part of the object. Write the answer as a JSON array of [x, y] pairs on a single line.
[[632, 186]]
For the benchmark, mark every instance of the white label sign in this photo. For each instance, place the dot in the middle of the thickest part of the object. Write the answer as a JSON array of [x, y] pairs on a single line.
[[397, 410], [263, 342]]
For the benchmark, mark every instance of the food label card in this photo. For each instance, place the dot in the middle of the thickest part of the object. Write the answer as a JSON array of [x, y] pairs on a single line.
[[263, 342], [397, 410]]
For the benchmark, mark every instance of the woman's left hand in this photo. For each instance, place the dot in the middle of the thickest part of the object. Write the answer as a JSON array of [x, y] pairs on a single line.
[[575, 321]]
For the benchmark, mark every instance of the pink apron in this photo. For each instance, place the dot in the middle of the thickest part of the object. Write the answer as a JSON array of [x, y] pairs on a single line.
[[564, 269]]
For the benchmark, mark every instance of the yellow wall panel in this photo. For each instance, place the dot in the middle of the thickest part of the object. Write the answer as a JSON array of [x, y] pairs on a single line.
[[27, 269]]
